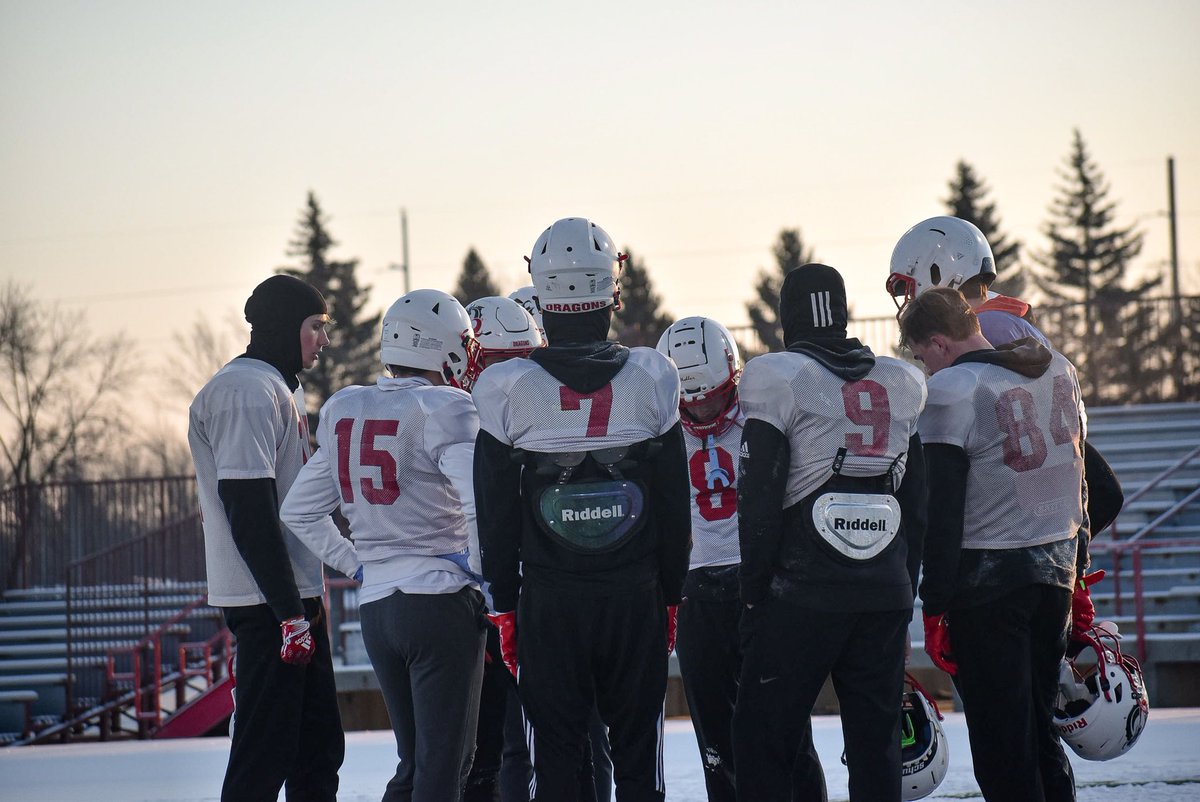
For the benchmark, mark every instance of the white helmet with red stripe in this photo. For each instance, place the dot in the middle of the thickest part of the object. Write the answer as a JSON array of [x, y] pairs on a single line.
[[504, 328], [709, 364], [924, 750], [938, 252], [575, 267], [430, 330], [1102, 702]]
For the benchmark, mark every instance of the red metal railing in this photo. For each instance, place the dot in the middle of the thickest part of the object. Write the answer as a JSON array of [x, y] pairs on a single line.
[[145, 675], [1118, 550]]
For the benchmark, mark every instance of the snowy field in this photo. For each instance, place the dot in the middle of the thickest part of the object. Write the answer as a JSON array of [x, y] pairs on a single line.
[[1165, 765]]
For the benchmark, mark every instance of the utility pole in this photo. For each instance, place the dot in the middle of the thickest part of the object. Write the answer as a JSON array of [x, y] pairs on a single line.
[[404, 248], [1176, 307]]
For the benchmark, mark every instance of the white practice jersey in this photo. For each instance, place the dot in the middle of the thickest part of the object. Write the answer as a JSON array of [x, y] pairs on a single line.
[[522, 405], [246, 424], [873, 418], [382, 456], [1022, 437], [712, 471]]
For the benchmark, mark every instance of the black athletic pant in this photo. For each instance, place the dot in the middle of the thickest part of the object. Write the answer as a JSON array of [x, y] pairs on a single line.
[[580, 649], [515, 781], [286, 727], [483, 784], [427, 652], [1008, 653], [789, 651], [710, 660]]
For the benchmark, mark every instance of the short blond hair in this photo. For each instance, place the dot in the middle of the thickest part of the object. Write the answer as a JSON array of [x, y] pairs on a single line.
[[940, 310]]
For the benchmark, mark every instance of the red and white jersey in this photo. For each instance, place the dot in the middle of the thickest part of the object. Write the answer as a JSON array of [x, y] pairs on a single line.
[[246, 424], [1022, 437], [712, 472], [522, 405], [873, 418], [383, 456]]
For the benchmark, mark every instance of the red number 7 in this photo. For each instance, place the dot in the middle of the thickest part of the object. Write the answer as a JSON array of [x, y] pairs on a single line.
[[599, 408]]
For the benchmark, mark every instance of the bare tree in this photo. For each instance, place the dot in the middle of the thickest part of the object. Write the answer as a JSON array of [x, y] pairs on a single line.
[[200, 352], [60, 390]]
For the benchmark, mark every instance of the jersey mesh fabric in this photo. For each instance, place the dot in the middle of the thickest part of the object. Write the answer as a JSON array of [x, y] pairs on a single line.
[[522, 405], [402, 426], [1022, 438], [714, 512], [246, 424], [873, 418]]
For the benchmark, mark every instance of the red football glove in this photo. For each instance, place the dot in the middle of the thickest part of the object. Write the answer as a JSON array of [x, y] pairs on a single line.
[[937, 643], [507, 624], [1083, 612], [298, 644], [672, 626]]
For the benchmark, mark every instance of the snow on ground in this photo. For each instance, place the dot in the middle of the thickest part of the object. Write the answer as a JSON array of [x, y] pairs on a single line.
[[1164, 765]]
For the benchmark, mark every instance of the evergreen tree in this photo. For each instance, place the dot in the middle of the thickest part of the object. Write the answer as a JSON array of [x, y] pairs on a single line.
[[969, 201], [790, 253], [640, 320], [474, 282], [352, 356], [1089, 260]]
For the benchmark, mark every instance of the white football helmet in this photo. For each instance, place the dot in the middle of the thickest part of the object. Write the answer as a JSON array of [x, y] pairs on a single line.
[[430, 330], [707, 359], [924, 750], [938, 252], [575, 267], [527, 297], [1102, 702], [503, 328]]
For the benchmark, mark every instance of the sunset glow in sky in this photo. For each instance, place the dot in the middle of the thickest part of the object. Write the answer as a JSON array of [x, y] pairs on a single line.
[[154, 156]]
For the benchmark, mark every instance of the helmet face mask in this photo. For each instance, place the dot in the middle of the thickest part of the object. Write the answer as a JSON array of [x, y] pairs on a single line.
[[575, 268], [709, 367], [1102, 704], [938, 252], [504, 329], [430, 330]]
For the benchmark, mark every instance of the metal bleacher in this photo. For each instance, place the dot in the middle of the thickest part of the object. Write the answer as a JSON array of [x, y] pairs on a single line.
[[48, 678], [1152, 552]]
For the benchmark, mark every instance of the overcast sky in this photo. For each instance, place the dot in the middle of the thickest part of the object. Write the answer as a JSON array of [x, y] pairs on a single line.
[[154, 156]]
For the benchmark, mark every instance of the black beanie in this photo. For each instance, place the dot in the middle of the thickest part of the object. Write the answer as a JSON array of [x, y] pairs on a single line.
[[812, 304], [275, 311], [281, 303]]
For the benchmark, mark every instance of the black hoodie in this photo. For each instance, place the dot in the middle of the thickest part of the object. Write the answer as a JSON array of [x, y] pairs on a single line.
[[514, 547], [781, 555], [958, 577]]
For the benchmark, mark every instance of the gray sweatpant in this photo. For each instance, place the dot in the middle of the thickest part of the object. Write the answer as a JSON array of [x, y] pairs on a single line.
[[427, 651]]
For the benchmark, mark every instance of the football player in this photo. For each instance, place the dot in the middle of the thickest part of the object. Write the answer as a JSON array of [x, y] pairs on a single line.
[[952, 252], [831, 504], [249, 438], [708, 643], [580, 465], [396, 458], [1003, 440]]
